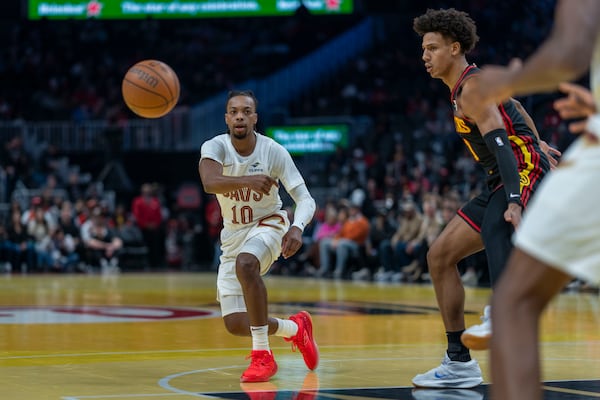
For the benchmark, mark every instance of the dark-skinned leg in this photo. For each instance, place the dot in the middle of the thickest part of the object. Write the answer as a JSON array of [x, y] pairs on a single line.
[[523, 291], [263, 365], [457, 369], [457, 241], [255, 296], [247, 269]]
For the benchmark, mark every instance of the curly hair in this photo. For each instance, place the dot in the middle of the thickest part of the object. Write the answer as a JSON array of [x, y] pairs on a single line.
[[451, 23]]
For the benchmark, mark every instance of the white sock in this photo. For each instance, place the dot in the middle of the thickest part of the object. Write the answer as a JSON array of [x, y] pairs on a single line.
[[286, 328], [260, 337]]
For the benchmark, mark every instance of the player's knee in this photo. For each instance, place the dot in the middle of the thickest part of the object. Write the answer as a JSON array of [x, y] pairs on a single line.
[[441, 258], [435, 259], [246, 266]]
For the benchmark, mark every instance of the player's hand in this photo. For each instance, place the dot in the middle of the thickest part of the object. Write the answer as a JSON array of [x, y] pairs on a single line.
[[552, 153], [261, 183], [292, 241], [513, 214], [579, 103]]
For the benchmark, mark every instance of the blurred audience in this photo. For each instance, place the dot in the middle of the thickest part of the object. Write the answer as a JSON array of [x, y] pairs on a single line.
[[399, 180], [348, 242]]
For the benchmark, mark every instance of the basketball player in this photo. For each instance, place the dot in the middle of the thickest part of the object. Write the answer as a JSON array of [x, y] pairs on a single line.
[[243, 169], [501, 141], [559, 238]]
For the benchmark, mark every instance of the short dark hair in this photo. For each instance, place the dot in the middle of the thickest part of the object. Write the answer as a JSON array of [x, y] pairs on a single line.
[[451, 23], [246, 93]]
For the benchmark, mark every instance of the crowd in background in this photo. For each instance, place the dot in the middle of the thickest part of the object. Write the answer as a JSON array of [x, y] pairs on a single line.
[[392, 190], [72, 70]]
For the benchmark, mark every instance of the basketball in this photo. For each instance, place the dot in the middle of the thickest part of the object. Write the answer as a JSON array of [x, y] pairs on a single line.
[[150, 89]]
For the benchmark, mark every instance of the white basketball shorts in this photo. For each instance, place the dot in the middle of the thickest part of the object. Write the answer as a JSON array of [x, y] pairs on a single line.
[[263, 240], [561, 226]]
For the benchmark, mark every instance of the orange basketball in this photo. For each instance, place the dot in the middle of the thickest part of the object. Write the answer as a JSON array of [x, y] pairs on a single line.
[[150, 88]]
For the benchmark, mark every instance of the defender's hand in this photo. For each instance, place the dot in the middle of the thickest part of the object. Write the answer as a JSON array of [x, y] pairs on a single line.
[[513, 214], [552, 153]]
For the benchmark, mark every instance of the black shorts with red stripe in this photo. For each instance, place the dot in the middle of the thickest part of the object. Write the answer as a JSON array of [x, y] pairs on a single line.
[[485, 214]]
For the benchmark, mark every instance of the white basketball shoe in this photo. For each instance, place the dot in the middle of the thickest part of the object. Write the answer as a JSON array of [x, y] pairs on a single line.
[[451, 374], [478, 337]]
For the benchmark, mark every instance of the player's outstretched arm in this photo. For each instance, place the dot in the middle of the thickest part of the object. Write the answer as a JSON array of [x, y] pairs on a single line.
[[565, 55]]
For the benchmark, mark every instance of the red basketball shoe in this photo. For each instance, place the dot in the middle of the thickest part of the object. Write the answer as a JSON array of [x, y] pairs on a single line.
[[304, 340], [262, 367]]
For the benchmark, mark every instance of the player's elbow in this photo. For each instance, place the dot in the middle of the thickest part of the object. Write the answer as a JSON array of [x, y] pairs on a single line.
[[208, 184], [208, 188]]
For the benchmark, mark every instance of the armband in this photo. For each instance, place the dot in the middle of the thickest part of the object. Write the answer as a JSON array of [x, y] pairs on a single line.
[[498, 143]]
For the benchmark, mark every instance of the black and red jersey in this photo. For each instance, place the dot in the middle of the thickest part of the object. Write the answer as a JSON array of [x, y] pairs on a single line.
[[531, 161]]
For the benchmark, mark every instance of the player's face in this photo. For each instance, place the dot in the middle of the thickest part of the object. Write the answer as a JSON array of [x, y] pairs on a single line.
[[241, 116], [437, 54]]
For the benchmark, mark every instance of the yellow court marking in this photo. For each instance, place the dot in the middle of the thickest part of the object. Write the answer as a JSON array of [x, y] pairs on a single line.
[[570, 391]]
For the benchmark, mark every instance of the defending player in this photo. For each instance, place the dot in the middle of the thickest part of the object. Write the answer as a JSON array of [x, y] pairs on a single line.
[[501, 141]]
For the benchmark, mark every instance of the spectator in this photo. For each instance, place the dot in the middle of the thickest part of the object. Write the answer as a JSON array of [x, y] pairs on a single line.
[[72, 234], [348, 242], [393, 252], [37, 205], [62, 251], [328, 228], [431, 226], [146, 209], [103, 245], [19, 244], [381, 230], [40, 231]]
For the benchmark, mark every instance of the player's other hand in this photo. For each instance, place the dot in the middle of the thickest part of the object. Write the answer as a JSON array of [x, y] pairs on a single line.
[[261, 183], [579, 103], [552, 153], [513, 214], [292, 241]]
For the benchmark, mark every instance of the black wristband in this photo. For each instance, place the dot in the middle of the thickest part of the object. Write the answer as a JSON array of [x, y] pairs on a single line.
[[498, 143]]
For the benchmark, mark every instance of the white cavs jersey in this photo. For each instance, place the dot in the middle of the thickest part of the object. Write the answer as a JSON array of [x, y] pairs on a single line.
[[244, 206], [562, 225], [595, 72], [594, 121]]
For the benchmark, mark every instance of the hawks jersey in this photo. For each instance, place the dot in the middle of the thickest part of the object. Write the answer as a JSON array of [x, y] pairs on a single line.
[[531, 162], [244, 206]]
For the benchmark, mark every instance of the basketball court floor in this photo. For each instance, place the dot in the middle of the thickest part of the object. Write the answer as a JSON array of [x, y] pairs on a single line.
[[160, 336]]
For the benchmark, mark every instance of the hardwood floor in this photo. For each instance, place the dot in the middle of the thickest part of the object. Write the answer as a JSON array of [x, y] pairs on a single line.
[[160, 336]]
